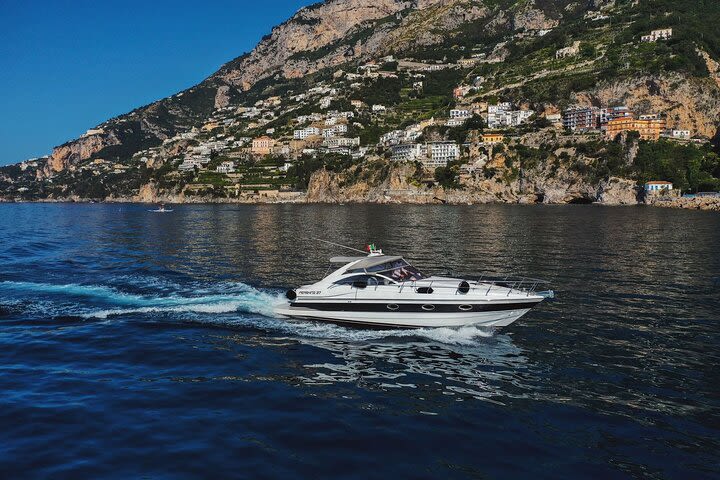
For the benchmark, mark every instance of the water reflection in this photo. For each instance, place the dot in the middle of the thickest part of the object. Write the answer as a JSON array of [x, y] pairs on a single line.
[[436, 366]]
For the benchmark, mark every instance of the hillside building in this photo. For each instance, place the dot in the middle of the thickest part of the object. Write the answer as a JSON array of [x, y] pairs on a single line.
[[440, 153], [648, 126], [336, 142], [460, 113], [592, 118], [511, 118], [303, 133], [655, 35], [581, 118], [492, 138], [677, 134], [262, 145], [407, 152], [226, 167], [612, 113], [431, 154]]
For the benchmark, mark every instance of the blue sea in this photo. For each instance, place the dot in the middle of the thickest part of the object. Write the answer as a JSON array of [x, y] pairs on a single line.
[[143, 345]]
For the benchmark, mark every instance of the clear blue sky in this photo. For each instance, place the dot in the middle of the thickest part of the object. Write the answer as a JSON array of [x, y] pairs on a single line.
[[68, 65]]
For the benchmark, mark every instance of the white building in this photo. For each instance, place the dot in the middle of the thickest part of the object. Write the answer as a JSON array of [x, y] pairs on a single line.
[[455, 122], [500, 107], [407, 152], [325, 102], [226, 167], [189, 163], [431, 154], [658, 186], [342, 142], [440, 153], [303, 133], [511, 118], [678, 134], [313, 117], [392, 138], [460, 113], [338, 150], [379, 108], [335, 130], [655, 35]]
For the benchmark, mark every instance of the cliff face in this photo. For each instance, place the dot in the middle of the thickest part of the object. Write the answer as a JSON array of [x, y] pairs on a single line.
[[309, 30], [398, 184], [65, 156]]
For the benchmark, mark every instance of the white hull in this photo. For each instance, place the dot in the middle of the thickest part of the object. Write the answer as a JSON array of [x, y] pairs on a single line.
[[407, 320]]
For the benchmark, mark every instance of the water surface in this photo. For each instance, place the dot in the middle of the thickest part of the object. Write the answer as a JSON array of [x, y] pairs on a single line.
[[136, 344]]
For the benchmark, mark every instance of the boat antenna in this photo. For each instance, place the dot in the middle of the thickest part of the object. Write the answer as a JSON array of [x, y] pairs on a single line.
[[338, 245]]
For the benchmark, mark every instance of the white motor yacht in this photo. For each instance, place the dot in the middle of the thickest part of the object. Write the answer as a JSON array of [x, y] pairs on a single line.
[[381, 290]]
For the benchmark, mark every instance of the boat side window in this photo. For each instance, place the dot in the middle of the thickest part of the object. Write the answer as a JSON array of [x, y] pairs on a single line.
[[367, 279]]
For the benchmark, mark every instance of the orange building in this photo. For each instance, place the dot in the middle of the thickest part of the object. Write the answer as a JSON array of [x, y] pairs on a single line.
[[262, 145], [649, 126], [491, 138]]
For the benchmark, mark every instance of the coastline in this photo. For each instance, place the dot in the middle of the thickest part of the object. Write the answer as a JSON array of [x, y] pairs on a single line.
[[699, 203]]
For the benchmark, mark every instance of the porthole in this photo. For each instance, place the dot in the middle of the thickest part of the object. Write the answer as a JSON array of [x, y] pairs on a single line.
[[465, 308], [428, 308], [393, 306]]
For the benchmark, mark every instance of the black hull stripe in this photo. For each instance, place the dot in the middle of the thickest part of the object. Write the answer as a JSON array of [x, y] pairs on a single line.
[[412, 307]]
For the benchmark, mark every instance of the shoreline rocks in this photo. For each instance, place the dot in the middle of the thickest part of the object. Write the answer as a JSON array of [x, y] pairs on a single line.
[[698, 203]]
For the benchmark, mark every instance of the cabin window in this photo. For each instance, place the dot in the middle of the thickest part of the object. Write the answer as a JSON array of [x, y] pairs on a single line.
[[355, 280]]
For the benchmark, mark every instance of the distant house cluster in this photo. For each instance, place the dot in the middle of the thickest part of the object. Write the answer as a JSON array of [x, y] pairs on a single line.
[[616, 120]]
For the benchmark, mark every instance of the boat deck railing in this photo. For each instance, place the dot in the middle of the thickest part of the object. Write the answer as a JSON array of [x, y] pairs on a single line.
[[487, 285]]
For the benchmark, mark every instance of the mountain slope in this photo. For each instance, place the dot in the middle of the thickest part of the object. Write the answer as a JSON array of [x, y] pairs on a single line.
[[516, 40]]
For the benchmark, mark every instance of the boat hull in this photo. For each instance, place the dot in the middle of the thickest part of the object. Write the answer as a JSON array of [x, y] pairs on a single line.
[[497, 318]]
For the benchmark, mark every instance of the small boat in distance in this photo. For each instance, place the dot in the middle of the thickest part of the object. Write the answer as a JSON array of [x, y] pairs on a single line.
[[381, 290], [161, 209]]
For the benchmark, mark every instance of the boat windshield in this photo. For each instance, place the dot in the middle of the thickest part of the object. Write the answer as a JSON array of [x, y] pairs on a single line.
[[398, 270]]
